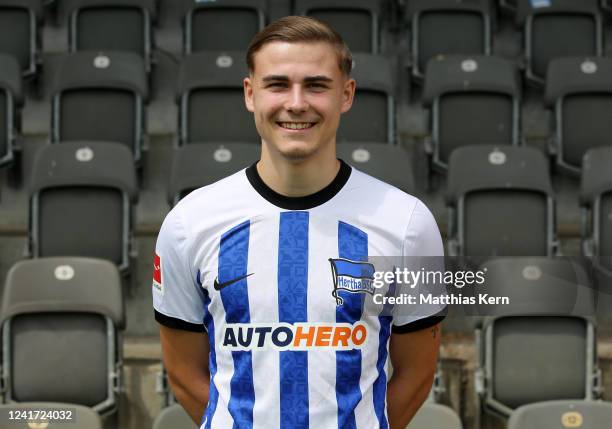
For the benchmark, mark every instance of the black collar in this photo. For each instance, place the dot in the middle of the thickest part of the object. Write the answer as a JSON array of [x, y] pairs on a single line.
[[299, 203]]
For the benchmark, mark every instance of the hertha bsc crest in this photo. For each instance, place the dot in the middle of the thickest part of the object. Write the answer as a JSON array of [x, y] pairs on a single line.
[[351, 276]]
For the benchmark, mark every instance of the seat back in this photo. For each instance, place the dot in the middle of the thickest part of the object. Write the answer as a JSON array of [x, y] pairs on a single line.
[[549, 414], [19, 23], [432, 415], [173, 416], [10, 97], [80, 417]]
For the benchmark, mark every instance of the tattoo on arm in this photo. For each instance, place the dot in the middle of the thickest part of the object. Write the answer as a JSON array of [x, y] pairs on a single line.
[[434, 331]]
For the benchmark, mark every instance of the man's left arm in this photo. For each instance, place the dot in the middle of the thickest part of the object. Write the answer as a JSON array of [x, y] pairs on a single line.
[[414, 357]]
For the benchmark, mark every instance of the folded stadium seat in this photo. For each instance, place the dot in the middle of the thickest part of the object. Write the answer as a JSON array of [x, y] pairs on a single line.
[[501, 202], [11, 98], [580, 92], [444, 27], [357, 21], [473, 100], [100, 96], [173, 417], [81, 202], [389, 163], [20, 22], [197, 165], [437, 416], [61, 321], [372, 116], [222, 25], [558, 28], [209, 94], [80, 417], [508, 4], [110, 25], [541, 344], [569, 414]]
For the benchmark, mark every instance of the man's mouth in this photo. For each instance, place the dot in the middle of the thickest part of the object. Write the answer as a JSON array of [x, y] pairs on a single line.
[[296, 125]]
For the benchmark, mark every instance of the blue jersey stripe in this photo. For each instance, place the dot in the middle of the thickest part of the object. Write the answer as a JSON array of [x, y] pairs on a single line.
[[213, 395], [233, 259], [353, 245], [380, 385], [292, 308]]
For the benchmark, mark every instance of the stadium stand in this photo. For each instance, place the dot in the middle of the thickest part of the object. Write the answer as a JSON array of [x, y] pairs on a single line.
[[71, 310], [88, 22], [579, 90], [209, 92], [222, 25], [175, 417], [197, 165], [358, 21], [11, 98], [485, 184], [473, 100], [444, 27], [92, 90], [80, 417], [20, 22], [372, 117], [561, 28], [435, 416], [550, 309], [81, 199], [548, 415]]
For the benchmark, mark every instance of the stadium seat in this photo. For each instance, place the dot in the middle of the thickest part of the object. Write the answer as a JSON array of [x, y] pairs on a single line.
[[69, 310], [580, 92], [436, 416], [80, 417], [131, 21], [541, 344], [559, 28], [473, 100], [389, 163], [569, 414], [11, 97], [222, 25], [209, 93], [357, 21], [372, 116], [100, 96], [501, 202], [174, 417], [81, 200], [198, 165], [20, 22], [444, 27]]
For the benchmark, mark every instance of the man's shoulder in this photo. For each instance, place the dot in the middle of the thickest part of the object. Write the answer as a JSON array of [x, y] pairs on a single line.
[[209, 196]]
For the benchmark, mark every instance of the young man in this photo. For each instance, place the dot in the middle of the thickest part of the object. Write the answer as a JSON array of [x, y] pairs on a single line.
[[254, 331]]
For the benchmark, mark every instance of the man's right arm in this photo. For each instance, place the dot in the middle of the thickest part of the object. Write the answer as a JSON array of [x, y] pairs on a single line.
[[185, 357]]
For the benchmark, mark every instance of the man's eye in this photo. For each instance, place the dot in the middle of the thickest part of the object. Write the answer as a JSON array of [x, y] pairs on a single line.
[[317, 85], [276, 85]]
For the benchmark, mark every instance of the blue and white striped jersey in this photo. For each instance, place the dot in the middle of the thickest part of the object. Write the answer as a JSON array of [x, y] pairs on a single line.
[[290, 347]]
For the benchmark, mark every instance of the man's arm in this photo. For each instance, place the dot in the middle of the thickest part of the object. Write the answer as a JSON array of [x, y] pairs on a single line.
[[414, 357], [186, 360]]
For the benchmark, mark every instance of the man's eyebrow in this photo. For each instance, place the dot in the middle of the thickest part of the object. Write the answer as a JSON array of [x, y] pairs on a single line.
[[307, 79], [320, 78], [276, 77]]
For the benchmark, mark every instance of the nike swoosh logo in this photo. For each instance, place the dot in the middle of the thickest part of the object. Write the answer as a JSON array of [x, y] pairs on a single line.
[[219, 286]]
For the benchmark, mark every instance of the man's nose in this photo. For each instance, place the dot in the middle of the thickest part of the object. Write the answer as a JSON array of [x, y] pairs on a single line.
[[296, 102]]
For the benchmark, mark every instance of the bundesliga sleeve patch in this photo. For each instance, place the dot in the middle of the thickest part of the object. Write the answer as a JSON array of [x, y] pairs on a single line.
[[157, 275]]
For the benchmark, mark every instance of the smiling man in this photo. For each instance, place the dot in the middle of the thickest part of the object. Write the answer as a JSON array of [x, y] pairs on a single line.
[[264, 318]]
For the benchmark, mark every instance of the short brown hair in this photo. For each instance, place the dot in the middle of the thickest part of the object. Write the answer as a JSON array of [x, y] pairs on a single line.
[[296, 29]]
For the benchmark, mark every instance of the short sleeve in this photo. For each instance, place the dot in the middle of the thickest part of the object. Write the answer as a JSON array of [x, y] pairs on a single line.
[[422, 250], [178, 299]]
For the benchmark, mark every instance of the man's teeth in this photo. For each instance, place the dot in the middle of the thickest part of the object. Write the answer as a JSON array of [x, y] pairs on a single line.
[[296, 125]]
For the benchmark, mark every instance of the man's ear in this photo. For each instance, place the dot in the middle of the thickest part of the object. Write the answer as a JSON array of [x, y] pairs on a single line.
[[348, 94], [247, 85]]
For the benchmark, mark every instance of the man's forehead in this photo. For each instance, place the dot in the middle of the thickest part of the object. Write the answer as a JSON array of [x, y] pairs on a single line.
[[304, 58]]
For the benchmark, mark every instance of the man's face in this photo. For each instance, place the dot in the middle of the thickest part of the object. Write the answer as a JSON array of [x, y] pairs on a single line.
[[297, 94]]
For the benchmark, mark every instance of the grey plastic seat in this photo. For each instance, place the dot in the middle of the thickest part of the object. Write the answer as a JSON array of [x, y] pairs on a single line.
[[437, 416], [357, 21], [555, 29], [222, 25], [81, 417], [552, 414], [527, 344], [372, 115], [20, 22], [197, 165], [174, 417], [579, 90], [61, 319], [89, 22], [100, 96], [501, 202], [446, 27], [81, 202], [473, 100], [209, 92], [11, 98]]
